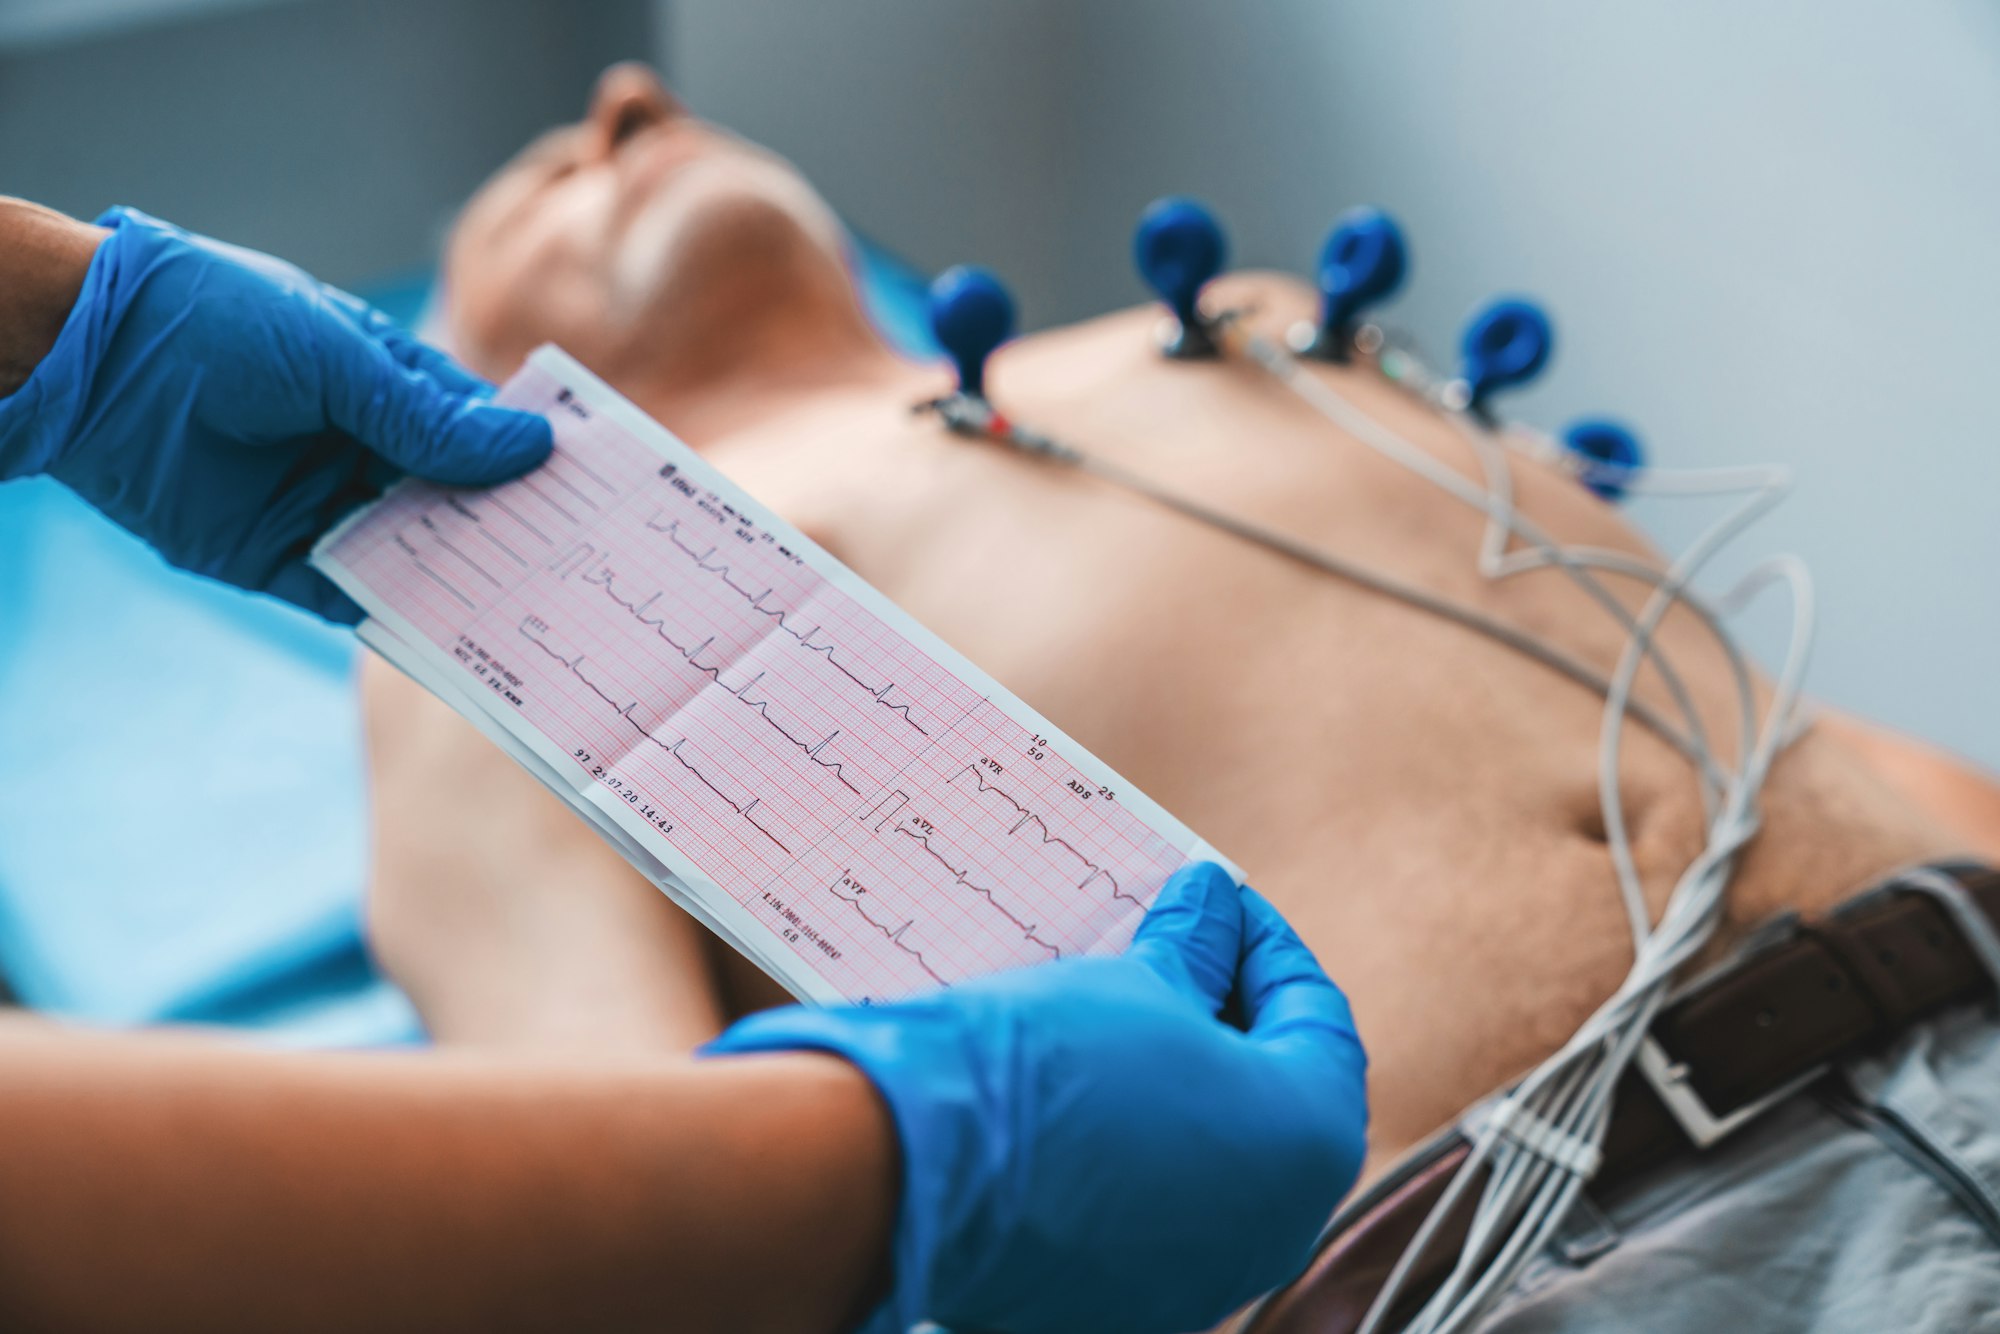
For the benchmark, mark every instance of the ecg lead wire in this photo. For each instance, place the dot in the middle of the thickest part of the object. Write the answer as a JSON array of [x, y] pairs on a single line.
[[1284, 368], [969, 418]]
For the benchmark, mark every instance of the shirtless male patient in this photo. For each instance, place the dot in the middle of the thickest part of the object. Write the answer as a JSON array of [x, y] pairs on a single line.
[[1421, 802]]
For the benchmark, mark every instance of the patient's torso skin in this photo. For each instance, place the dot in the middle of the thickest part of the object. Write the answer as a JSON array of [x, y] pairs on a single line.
[[1420, 801]]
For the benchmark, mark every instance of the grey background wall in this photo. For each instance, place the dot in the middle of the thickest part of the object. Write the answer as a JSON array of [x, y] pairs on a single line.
[[1767, 232]]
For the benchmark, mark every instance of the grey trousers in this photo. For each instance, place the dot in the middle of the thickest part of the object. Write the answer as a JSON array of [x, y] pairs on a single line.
[[1869, 1204]]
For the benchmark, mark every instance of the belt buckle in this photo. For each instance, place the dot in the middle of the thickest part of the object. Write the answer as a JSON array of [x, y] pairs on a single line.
[[1670, 1081]]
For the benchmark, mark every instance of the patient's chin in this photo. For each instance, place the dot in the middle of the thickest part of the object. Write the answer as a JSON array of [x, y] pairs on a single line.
[[690, 286], [720, 259]]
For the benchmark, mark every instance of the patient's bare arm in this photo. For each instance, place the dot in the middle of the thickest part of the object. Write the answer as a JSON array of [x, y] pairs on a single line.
[[508, 920], [432, 1192]]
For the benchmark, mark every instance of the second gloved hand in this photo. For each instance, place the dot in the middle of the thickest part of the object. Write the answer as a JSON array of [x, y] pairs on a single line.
[[228, 409], [1086, 1146]]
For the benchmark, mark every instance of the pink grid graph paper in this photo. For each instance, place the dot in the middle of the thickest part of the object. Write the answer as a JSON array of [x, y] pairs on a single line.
[[811, 764]]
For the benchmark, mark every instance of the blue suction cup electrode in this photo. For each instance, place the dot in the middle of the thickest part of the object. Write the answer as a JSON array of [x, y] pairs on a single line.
[[1362, 264], [1608, 454], [971, 315], [1506, 345], [1178, 248]]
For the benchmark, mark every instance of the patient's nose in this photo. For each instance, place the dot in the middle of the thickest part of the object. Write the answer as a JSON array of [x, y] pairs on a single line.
[[629, 98]]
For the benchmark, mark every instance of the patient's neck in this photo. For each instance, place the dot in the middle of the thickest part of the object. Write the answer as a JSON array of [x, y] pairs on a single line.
[[746, 349]]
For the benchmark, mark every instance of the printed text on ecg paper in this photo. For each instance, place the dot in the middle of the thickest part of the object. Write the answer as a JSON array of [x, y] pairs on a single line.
[[889, 822]]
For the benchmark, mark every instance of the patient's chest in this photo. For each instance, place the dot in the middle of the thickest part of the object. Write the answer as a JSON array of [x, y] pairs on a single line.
[[1182, 652], [1419, 800]]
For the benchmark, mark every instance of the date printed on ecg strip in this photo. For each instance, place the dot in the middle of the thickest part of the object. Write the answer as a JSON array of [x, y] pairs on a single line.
[[774, 743]]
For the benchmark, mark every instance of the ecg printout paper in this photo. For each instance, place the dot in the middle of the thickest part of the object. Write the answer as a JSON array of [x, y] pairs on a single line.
[[793, 758]]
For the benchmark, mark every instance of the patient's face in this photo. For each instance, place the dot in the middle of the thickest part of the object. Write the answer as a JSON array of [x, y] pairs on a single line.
[[642, 238]]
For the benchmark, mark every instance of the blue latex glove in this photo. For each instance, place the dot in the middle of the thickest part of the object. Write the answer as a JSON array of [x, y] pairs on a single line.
[[1086, 1146], [228, 409]]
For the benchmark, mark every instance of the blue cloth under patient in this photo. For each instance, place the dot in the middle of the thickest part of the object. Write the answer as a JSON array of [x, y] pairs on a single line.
[[183, 813], [183, 823]]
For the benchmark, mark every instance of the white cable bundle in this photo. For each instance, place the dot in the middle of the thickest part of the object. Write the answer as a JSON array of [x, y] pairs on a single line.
[[1542, 1141]]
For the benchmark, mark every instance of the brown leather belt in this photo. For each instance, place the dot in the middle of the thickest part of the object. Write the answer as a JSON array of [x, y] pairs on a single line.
[[1799, 999]]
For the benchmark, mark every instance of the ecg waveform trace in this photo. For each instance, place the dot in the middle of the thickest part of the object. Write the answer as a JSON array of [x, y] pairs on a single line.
[[845, 797]]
